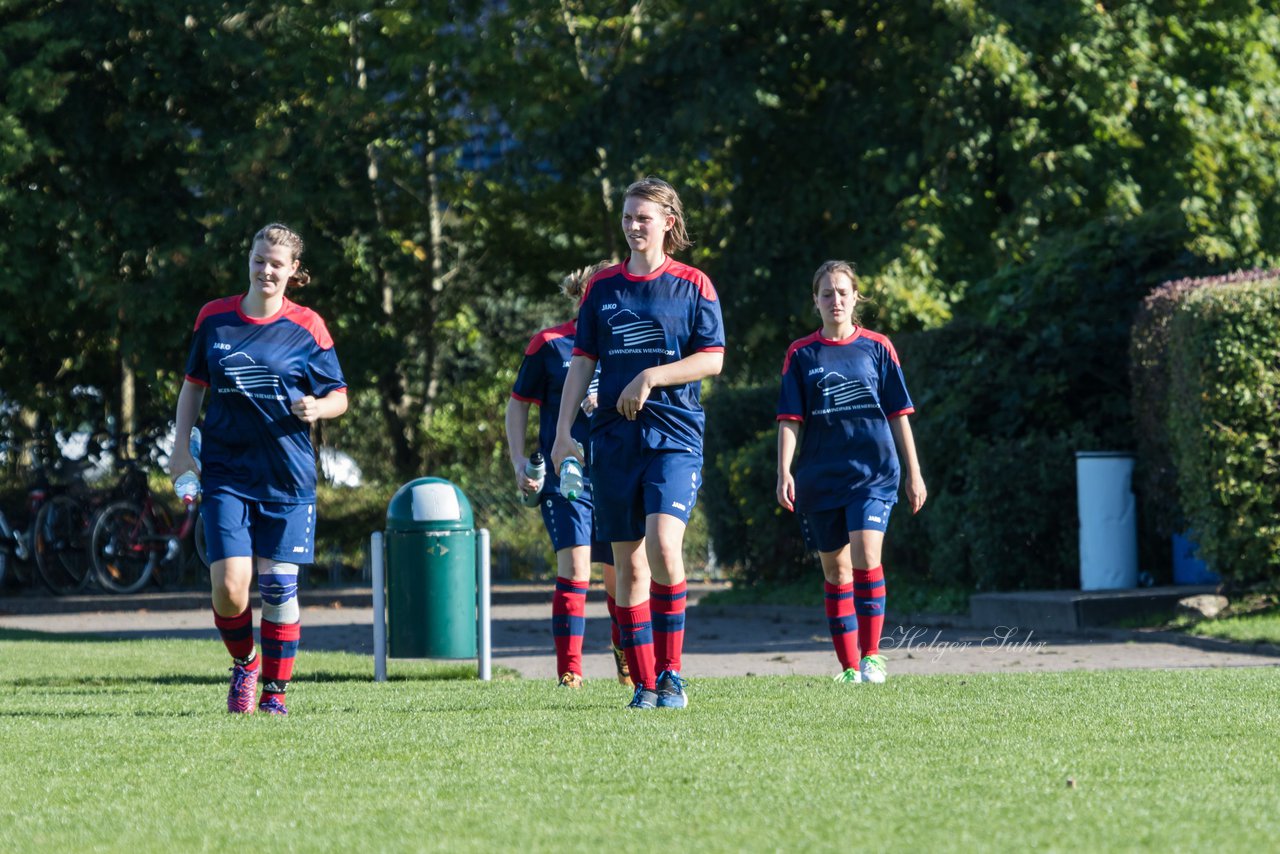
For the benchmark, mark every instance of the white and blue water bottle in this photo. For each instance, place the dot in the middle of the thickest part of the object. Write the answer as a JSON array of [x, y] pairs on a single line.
[[187, 486], [571, 479]]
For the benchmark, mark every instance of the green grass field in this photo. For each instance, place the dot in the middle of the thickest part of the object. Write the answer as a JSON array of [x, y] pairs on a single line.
[[124, 746], [1262, 626]]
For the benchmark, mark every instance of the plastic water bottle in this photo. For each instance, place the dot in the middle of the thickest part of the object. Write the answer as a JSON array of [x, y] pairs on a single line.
[[187, 486], [571, 478], [534, 469]]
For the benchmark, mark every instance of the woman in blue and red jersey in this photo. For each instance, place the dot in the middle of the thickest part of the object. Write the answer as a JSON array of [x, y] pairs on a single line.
[[271, 370], [653, 325], [843, 384], [568, 523]]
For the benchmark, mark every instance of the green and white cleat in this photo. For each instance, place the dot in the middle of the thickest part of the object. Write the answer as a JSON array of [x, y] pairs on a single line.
[[873, 669], [851, 676]]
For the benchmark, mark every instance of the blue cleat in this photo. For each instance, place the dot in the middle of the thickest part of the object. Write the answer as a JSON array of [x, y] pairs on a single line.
[[643, 699], [671, 693], [244, 684], [273, 705]]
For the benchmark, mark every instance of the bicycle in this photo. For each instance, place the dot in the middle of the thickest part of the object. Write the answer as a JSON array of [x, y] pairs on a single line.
[[8, 549], [18, 540], [60, 526], [134, 536]]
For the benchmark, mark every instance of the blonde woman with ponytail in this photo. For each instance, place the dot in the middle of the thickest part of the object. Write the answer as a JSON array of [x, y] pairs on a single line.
[[271, 370], [569, 524]]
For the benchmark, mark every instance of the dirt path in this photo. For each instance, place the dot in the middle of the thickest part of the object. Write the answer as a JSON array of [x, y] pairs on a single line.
[[719, 641]]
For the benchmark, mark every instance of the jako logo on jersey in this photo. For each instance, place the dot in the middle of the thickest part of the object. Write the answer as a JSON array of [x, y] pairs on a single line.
[[609, 306], [874, 519], [677, 505], [299, 550], [636, 332], [248, 375], [218, 345], [813, 371], [843, 391]]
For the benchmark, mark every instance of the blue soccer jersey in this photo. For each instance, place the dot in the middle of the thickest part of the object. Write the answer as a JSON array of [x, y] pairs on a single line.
[[541, 381], [844, 393], [629, 323], [254, 369]]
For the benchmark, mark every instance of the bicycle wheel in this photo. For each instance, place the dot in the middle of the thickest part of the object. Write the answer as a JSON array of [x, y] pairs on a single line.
[[62, 558], [124, 547], [201, 551], [169, 568], [194, 560]]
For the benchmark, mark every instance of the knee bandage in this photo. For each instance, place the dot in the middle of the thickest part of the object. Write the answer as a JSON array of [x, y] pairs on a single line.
[[278, 584]]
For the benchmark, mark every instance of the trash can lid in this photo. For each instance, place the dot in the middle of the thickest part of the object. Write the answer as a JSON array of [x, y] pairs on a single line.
[[429, 504]]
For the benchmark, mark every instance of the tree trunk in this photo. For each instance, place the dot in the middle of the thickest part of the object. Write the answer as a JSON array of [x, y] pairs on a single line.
[[435, 251], [128, 423], [395, 400], [608, 215]]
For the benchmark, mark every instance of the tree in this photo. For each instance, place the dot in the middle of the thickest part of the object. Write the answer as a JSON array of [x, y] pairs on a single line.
[[102, 216]]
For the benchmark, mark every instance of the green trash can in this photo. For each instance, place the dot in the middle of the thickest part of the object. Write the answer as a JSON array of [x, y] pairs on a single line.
[[431, 572]]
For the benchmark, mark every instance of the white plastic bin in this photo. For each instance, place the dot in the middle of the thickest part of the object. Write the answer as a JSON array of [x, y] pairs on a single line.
[[1108, 520]]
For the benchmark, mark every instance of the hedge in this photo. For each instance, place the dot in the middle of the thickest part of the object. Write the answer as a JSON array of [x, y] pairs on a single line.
[[753, 536], [1224, 424], [1155, 477], [997, 450]]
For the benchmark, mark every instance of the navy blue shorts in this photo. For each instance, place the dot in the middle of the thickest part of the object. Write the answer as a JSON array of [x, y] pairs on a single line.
[[828, 530], [631, 484], [569, 523], [242, 527]]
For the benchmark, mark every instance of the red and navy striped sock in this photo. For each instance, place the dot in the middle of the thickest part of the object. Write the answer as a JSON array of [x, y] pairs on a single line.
[[279, 649], [614, 634], [842, 621], [237, 634], [636, 627], [868, 591], [569, 623], [667, 604]]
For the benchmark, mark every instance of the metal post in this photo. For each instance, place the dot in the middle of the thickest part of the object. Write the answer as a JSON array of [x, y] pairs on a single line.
[[376, 563], [483, 633]]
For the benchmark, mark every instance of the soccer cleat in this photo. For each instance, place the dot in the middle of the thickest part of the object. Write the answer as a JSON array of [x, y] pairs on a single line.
[[571, 680], [851, 676], [873, 669], [620, 662], [643, 699], [273, 704], [671, 693], [244, 689]]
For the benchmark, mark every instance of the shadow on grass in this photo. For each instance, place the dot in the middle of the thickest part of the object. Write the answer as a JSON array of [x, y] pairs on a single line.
[[49, 637], [459, 673], [102, 683], [95, 713], [98, 683]]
